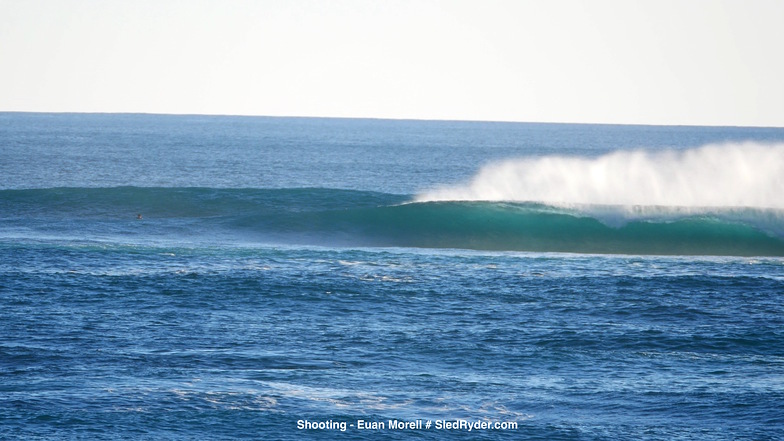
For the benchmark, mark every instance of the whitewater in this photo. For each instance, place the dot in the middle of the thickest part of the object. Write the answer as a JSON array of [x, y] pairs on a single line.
[[219, 277], [749, 175]]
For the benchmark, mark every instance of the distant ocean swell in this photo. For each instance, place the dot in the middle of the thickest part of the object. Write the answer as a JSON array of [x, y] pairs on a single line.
[[333, 217]]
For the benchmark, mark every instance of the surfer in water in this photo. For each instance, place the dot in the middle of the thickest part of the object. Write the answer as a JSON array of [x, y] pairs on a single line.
[[139, 216]]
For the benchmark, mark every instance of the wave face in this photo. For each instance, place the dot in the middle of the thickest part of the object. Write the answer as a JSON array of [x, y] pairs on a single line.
[[533, 227], [730, 175], [333, 217]]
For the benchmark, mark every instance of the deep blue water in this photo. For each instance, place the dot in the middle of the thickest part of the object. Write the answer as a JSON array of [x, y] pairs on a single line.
[[281, 273]]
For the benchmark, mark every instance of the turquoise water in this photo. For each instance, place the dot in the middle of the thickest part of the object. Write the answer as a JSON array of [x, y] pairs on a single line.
[[293, 271]]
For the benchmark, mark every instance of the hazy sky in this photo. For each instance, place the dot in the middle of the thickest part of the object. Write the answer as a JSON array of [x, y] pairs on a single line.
[[616, 61]]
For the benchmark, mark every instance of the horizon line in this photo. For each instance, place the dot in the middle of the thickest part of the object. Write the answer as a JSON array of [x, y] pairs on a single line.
[[411, 119]]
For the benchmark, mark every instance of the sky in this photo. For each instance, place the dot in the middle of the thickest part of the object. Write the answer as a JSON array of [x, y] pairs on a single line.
[[681, 62]]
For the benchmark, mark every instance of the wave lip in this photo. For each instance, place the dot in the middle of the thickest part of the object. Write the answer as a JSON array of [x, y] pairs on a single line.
[[749, 175]]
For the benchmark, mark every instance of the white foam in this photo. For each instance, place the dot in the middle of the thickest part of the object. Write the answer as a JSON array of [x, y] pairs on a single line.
[[728, 175]]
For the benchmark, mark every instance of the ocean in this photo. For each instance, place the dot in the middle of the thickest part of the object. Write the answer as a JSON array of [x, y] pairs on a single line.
[[215, 277]]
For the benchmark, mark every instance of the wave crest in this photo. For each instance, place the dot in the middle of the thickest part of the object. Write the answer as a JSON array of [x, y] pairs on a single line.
[[727, 175]]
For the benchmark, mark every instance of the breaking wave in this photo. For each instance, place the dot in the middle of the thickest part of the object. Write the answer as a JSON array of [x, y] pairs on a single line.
[[729, 175]]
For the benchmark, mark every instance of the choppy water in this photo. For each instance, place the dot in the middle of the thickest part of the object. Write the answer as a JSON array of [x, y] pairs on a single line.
[[282, 272]]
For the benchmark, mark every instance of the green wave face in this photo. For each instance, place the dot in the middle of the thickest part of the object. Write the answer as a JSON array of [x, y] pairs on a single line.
[[493, 226], [369, 219]]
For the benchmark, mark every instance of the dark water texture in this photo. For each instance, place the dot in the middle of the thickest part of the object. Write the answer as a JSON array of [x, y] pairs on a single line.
[[112, 341]]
